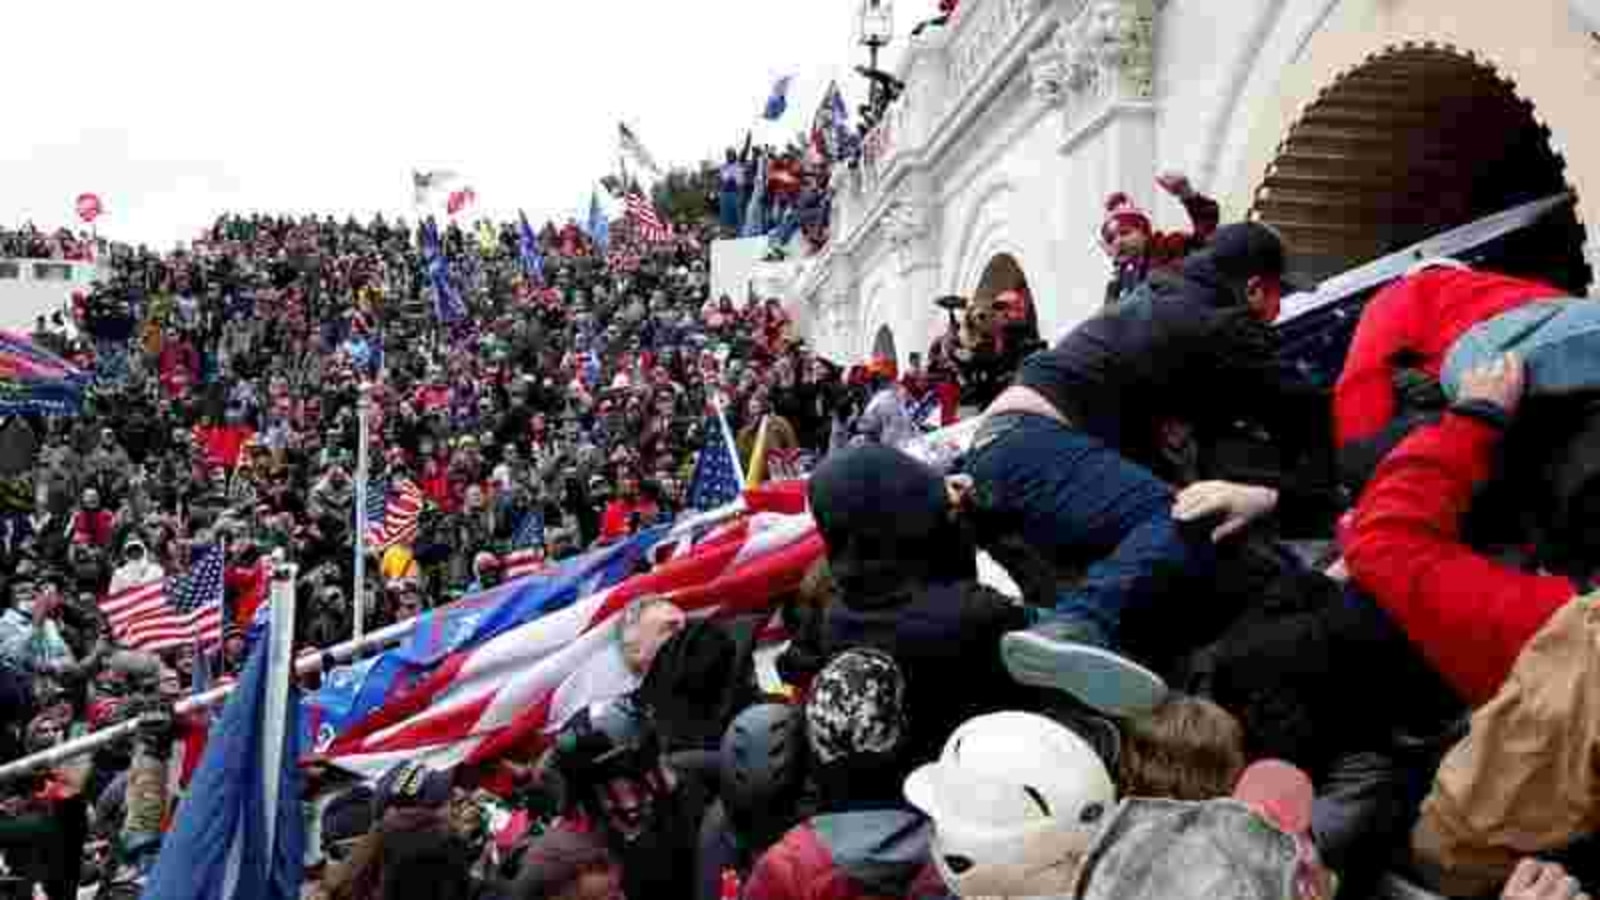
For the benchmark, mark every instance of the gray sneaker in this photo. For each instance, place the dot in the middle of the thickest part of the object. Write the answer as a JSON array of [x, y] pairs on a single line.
[[1068, 656]]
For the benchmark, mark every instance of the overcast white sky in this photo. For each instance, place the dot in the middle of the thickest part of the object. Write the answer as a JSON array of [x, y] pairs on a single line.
[[173, 110]]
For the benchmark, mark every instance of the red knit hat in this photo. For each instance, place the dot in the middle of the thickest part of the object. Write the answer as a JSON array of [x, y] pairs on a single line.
[[1120, 209]]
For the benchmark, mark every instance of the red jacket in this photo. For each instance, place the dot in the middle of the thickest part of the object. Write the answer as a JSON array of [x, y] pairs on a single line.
[[869, 855], [1425, 314], [1469, 615]]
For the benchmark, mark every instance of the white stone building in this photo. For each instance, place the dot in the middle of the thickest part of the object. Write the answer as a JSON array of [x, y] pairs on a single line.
[[1355, 126]]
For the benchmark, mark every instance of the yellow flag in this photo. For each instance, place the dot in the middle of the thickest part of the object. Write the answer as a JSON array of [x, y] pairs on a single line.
[[756, 471]]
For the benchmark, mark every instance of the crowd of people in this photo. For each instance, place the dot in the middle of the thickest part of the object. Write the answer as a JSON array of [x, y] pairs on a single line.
[[1272, 640], [28, 242]]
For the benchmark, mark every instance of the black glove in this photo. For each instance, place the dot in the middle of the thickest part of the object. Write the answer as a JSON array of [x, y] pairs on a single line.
[[1416, 390], [157, 727]]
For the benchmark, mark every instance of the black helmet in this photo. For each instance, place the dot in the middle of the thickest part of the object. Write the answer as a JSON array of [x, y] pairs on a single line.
[[762, 757], [612, 739]]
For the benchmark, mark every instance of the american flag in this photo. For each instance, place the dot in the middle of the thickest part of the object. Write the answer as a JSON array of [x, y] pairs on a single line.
[[392, 513], [173, 611], [647, 222], [527, 547], [497, 696], [716, 480]]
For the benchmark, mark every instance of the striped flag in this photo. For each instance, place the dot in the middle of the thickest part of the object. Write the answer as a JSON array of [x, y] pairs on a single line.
[[523, 684], [648, 224], [393, 515], [634, 149], [173, 611], [527, 547]]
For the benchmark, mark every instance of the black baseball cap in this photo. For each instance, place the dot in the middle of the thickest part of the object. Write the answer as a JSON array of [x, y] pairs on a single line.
[[1246, 250]]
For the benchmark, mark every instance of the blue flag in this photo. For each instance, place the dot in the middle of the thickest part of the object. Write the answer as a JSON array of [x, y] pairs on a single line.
[[599, 227], [241, 835], [755, 215], [528, 249], [716, 480], [778, 103], [447, 304], [351, 693]]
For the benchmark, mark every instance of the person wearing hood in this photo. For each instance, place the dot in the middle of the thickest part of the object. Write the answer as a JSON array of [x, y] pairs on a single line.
[[865, 840], [137, 569], [1067, 454], [904, 567]]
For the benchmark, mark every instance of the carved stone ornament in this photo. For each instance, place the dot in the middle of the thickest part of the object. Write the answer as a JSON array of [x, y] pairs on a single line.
[[1111, 43], [1048, 71], [905, 222]]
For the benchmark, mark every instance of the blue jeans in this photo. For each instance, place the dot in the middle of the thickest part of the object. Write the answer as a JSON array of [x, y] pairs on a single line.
[[1073, 496]]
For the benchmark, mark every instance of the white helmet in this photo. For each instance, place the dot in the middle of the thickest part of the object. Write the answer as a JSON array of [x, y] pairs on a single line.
[[1016, 800]]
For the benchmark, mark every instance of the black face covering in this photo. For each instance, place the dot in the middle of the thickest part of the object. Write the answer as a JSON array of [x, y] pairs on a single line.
[[888, 525]]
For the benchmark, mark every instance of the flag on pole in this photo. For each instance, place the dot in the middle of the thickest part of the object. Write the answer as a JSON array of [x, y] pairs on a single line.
[[830, 127], [717, 473], [647, 223], [242, 832], [599, 227], [633, 148], [756, 472], [171, 612], [519, 687], [528, 250], [755, 215], [778, 101], [448, 306], [460, 200], [425, 185], [392, 513], [351, 694]]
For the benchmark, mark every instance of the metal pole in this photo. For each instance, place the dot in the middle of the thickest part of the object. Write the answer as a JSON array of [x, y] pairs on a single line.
[[359, 589]]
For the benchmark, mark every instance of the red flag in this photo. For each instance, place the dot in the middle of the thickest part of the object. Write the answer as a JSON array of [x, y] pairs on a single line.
[[460, 200]]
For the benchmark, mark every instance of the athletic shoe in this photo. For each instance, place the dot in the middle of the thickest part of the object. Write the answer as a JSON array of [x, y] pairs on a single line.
[[1069, 656]]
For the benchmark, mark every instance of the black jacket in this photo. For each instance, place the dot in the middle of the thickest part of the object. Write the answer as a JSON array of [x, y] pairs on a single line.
[[1183, 348]]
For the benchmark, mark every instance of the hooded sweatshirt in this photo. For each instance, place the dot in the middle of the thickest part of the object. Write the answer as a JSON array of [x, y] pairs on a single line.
[[906, 576]]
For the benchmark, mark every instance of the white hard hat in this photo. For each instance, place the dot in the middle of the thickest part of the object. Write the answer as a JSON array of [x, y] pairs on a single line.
[[1016, 800]]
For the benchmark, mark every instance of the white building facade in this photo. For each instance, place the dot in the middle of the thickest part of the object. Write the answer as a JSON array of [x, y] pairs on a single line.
[[1354, 126]]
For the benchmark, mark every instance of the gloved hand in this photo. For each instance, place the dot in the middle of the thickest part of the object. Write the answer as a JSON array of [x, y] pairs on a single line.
[[157, 727], [1416, 390]]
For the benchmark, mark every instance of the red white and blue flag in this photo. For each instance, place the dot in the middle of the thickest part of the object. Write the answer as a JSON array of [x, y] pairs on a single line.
[[171, 612], [522, 684], [392, 513]]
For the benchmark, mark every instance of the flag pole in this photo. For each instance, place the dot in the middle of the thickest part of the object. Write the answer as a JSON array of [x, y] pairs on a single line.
[[727, 437], [359, 588], [276, 709]]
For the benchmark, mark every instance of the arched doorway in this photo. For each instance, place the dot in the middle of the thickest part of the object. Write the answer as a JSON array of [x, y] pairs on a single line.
[[1415, 141], [1003, 274], [883, 345]]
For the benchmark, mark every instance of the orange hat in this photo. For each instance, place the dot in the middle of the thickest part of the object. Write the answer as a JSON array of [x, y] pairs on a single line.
[[883, 367]]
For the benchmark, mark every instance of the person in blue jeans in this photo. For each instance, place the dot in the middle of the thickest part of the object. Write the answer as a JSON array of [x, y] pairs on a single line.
[[1065, 455]]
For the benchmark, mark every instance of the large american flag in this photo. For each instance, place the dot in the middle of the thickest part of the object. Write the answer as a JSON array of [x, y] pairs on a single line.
[[486, 700], [648, 223], [392, 512], [173, 611]]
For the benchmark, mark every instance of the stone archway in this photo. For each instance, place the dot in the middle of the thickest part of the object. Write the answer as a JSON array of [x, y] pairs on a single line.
[[1002, 274], [1412, 142]]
